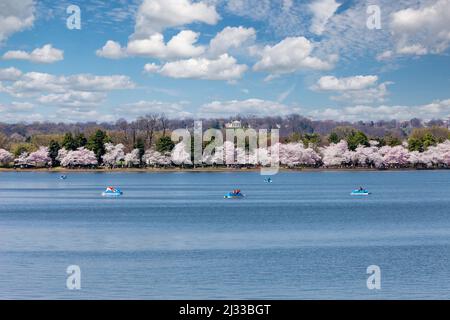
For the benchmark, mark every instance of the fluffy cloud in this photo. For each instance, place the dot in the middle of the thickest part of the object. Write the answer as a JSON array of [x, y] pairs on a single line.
[[224, 67], [89, 82], [230, 37], [342, 84], [80, 114], [17, 117], [180, 46], [182, 57], [356, 89], [10, 74], [422, 30], [76, 90], [66, 114], [322, 11], [212, 64], [290, 55], [249, 107], [16, 107], [434, 110], [151, 68], [15, 16], [15, 112], [171, 110], [373, 94], [46, 54], [73, 99], [111, 50], [154, 16]]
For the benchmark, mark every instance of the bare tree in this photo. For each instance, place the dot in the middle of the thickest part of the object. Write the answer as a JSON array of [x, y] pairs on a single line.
[[123, 125], [148, 125], [164, 121], [4, 141]]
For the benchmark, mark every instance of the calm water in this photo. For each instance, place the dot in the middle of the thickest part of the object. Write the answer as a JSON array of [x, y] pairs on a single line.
[[173, 236]]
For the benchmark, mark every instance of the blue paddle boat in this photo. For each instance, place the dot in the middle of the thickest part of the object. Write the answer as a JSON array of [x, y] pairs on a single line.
[[360, 192], [112, 192], [235, 194]]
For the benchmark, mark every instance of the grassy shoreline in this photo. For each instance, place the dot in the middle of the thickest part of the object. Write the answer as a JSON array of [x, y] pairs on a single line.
[[206, 170]]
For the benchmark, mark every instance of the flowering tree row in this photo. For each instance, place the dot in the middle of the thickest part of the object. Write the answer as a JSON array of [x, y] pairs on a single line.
[[289, 155], [338, 155]]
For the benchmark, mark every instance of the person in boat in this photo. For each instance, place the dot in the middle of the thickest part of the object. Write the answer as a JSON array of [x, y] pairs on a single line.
[[111, 189], [360, 189]]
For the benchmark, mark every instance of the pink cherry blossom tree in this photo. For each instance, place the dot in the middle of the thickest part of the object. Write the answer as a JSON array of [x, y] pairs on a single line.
[[62, 153], [260, 156], [39, 158], [436, 156], [337, 155], [156, 159], [444, 151], [214, 158], [6, 157], [229, 153], [181, 155], [295, 154], [367, 156], [132, 159], [394, 157], [114, 155], [81, 157]]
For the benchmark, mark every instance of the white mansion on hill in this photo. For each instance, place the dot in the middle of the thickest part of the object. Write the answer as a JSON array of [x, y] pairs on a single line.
[[236, 124]]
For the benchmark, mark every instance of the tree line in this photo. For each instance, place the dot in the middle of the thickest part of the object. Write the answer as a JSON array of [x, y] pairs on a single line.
[[152, 132]]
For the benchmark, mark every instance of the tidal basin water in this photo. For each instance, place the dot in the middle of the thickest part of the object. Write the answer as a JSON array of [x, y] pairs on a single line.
[[174, 236]]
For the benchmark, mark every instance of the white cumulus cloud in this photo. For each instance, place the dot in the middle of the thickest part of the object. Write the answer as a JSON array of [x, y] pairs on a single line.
[[243, 107], [224, 67], [422, 30], [181, 45], [439, 109], [15, 16], [348, 83], [10, 74], [290, 55], [46, 54], [79, 90], [356, 89], [230, 37], [154, 16], [170, 109], [111, 50]]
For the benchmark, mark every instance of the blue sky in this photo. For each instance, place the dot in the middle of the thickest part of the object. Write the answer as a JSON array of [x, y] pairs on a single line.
[[215, 58]]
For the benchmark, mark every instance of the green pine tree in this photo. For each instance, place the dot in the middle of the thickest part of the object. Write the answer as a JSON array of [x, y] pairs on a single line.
[[53, 149], [69, 142], [141, 146], [164, 144], [96, 143]]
